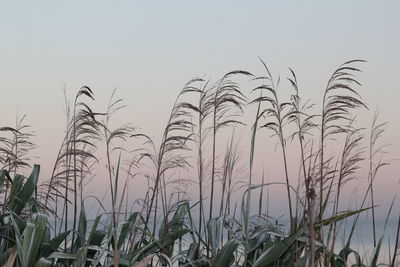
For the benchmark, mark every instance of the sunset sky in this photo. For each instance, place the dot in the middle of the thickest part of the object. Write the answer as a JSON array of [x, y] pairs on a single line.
[[149, 50]]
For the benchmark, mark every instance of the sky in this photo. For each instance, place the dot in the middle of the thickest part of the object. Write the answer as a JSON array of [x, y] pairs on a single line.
[[148, 50]]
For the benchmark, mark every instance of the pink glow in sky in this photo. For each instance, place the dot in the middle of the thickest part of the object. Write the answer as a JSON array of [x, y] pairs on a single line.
[[150, 50]]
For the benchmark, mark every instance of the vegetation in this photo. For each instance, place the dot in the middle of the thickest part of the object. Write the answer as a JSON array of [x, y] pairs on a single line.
[[43, 222]]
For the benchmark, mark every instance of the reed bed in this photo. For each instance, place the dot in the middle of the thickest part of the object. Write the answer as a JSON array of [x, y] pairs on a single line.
[[201, 206]]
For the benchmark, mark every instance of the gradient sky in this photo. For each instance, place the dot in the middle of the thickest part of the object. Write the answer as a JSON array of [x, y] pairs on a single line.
[[149, 50]]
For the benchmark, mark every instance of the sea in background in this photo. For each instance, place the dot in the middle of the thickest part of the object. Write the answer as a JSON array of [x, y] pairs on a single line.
[[362, 241], [363, 238]]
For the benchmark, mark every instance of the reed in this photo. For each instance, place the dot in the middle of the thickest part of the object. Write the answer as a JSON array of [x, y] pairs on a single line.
[[276, 116], [161, 229]]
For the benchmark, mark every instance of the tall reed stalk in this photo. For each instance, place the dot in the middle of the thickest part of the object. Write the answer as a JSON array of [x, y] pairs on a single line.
[[202, 114], [246, 217], [338, 101], [174, 139], [304, 124], [226, 97], [110, 136], [375, 150], [276, 115], [352, 155]]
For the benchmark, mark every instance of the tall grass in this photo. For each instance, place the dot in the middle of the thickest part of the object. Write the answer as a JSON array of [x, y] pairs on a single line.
[[44, 221], [276, 116]]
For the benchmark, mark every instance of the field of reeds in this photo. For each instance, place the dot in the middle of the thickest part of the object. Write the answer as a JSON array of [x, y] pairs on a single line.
[[201, 205]]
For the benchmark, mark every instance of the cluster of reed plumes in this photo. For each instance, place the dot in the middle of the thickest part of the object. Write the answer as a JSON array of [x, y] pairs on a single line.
[[44, 223]]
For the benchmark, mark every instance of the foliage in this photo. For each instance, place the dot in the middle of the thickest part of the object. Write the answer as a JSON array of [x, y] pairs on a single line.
[[46, 222]]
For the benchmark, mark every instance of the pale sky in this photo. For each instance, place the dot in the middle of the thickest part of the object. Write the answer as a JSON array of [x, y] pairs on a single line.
[[149, 50]]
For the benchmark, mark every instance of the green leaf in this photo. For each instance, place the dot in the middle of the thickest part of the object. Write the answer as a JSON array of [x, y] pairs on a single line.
[[126, 228], [5, 255], [341, 260], [18, 241], [4, 176], [62, 255], [375, 254], [275, 251], [81, 256], [26, 191], [15, 188], [82, 226], [33, 238], [225, 256], [28, 247], [215, 229], [339, 217], [43, 262], [53, 244]]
